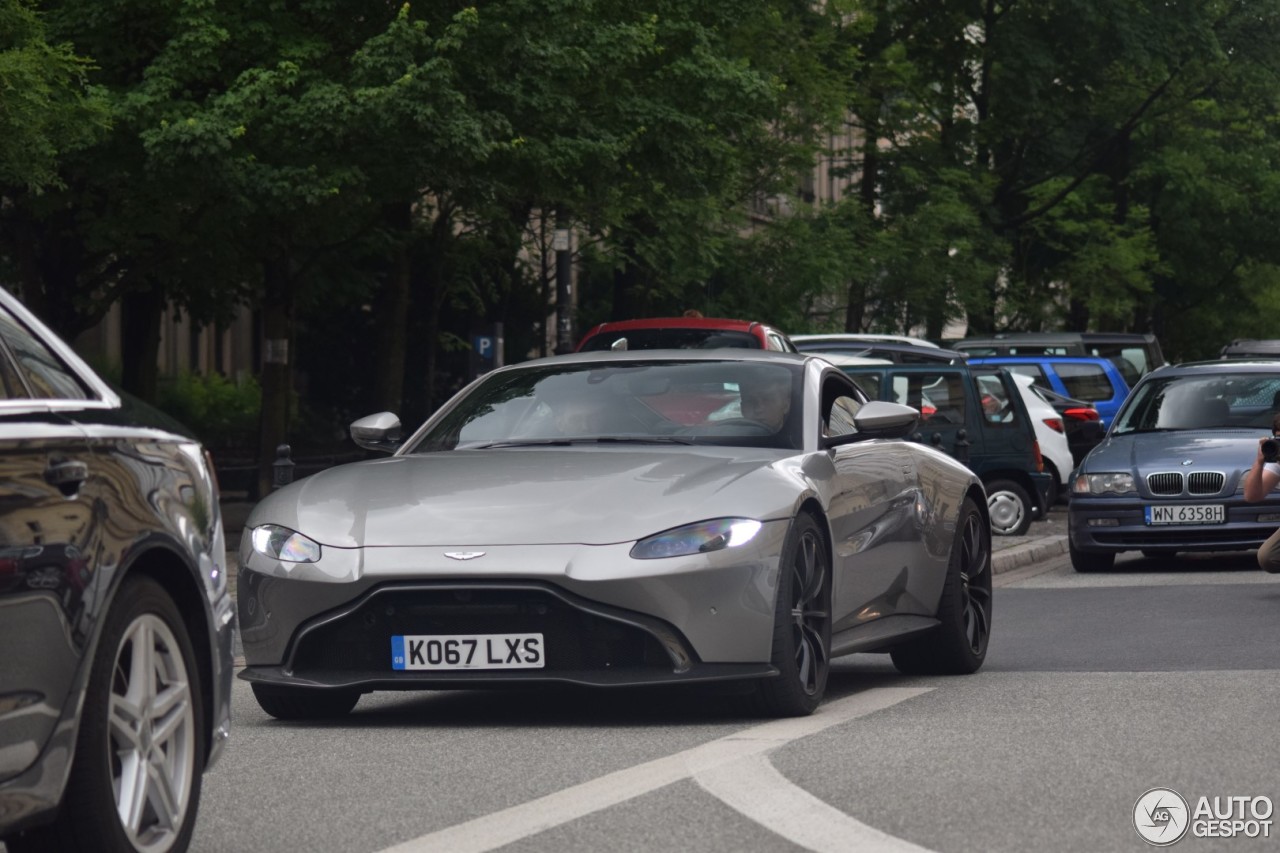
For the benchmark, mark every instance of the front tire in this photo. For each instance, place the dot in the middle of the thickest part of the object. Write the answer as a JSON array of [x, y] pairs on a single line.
[[801, 625], [1087, 562], [1009, 508], [958, 645], [140, 751], [294, 703]]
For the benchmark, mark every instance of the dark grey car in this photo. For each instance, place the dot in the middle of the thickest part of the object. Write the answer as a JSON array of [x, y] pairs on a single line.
[[1169, 475], [115, 619]]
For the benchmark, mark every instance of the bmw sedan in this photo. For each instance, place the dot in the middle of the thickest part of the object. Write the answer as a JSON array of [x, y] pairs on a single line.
[[115, 618], [1168, 477], [620, 518]]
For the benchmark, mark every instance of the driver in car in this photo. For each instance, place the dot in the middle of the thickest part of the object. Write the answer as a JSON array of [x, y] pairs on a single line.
[[767, 399]]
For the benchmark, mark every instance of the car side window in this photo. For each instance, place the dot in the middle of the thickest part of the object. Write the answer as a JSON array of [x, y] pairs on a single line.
[[43, 371], [840, 405], [1085, 381]]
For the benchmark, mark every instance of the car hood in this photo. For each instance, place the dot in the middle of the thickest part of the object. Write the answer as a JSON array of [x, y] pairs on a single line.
[[532, 496], [1147, 452]]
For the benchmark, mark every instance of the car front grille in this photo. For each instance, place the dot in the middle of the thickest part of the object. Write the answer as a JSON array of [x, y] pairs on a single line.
[[1169, 483], [577, 638], [1205, 482]]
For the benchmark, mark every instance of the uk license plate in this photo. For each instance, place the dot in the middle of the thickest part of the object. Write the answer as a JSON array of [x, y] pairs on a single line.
[[1185, 514], [467, 651]]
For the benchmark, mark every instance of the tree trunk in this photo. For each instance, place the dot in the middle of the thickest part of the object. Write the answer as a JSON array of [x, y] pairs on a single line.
[[140, 315], [277, 366], [391, 316]]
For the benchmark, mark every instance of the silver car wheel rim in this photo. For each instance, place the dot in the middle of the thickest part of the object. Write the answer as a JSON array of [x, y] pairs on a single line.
[[1006, 511], [152, 734], [808, 615], [975, 584]]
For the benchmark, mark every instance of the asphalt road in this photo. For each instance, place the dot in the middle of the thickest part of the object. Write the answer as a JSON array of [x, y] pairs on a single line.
[[1096, 689]]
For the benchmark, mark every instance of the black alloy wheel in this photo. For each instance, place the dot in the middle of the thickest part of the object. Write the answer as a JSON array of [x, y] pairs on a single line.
[[802, 625], [958, 645]]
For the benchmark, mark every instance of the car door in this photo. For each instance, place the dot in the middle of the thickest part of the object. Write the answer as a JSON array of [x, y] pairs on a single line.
[[44, 524], [871, 509]]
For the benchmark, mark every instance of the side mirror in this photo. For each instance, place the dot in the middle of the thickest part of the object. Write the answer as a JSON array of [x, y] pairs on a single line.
[[380, 432], [878, 419]]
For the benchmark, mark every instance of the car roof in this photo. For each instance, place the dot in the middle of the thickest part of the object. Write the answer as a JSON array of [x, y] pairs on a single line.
[[719, 323], [856, 337], [1057, 337], [718, 354], [1038, 357], [1251, 347], [1229, 365]]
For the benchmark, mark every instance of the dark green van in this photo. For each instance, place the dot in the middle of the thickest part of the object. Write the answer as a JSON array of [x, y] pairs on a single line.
[[975, 414]]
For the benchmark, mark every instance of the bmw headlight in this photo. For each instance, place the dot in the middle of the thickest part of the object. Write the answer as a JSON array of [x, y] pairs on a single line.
[[1102, 484], [281, 543], [697, 538]]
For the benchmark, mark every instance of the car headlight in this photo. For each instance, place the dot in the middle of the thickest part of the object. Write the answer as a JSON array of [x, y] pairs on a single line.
[[697, 538], [1101, 484], [281, 543]]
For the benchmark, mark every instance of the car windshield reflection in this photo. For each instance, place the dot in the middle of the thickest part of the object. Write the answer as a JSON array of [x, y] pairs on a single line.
[[660, 402], [1198, 402]]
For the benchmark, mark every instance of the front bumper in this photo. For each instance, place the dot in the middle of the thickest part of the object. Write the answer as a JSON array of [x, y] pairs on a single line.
[[585, 643], [1114, 525], [607, 618]]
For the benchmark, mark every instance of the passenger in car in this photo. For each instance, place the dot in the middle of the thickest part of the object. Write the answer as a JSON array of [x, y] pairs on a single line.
[[767, 400], [1259, 480]]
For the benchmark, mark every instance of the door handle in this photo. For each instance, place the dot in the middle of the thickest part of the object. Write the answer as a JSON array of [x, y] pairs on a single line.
[[66, 475]]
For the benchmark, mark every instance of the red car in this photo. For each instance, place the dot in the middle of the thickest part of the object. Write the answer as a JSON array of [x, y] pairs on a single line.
[[684, 333]]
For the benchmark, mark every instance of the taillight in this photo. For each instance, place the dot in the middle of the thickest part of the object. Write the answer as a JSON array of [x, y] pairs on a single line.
[[1082, 414], [1039, 459], [1054, 424]]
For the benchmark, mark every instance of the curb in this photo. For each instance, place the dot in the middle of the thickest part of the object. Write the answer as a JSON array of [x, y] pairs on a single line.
[[1028, 553]]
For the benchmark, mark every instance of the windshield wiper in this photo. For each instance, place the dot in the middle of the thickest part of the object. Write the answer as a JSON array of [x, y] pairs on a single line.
[[528, 442], [641, 439]]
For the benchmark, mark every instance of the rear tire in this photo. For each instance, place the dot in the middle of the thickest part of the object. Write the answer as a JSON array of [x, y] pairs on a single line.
[[1087, 562], [958, 645], [300, 703], [140, 751], [801, 625], [1009, 508]]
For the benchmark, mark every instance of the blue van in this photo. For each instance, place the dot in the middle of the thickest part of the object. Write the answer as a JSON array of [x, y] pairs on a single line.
[[1097, 381]]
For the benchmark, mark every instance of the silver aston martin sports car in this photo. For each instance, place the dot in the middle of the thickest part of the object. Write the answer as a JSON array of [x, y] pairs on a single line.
[[620, 518]]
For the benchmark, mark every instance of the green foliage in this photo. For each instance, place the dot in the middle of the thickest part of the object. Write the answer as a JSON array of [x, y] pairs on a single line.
[[46, 107], [223, 413]]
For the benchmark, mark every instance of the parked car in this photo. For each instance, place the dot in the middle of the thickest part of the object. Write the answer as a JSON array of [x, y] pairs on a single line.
[[117, 624], [1133, 354], [1167, 477], [904, 351], [1050, 435], [1096, 381], [977, 416], [684, 333], [1080, 421], [585, 519]]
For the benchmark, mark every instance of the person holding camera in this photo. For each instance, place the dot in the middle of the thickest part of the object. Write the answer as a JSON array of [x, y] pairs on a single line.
[[1259, 480]]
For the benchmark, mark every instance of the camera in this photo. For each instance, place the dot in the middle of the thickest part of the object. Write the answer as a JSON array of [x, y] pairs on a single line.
[[1271, 449]]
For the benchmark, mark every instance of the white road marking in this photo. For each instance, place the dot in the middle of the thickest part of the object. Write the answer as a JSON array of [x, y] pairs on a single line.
[[510, 825], [754, 788]]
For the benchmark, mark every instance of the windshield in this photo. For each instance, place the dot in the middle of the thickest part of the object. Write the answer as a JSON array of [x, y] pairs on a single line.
[[668, 402], [1203, 401]]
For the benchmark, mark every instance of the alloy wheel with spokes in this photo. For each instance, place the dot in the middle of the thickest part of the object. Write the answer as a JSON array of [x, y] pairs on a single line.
[[959, 643], [802, 627], [135, 781]]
